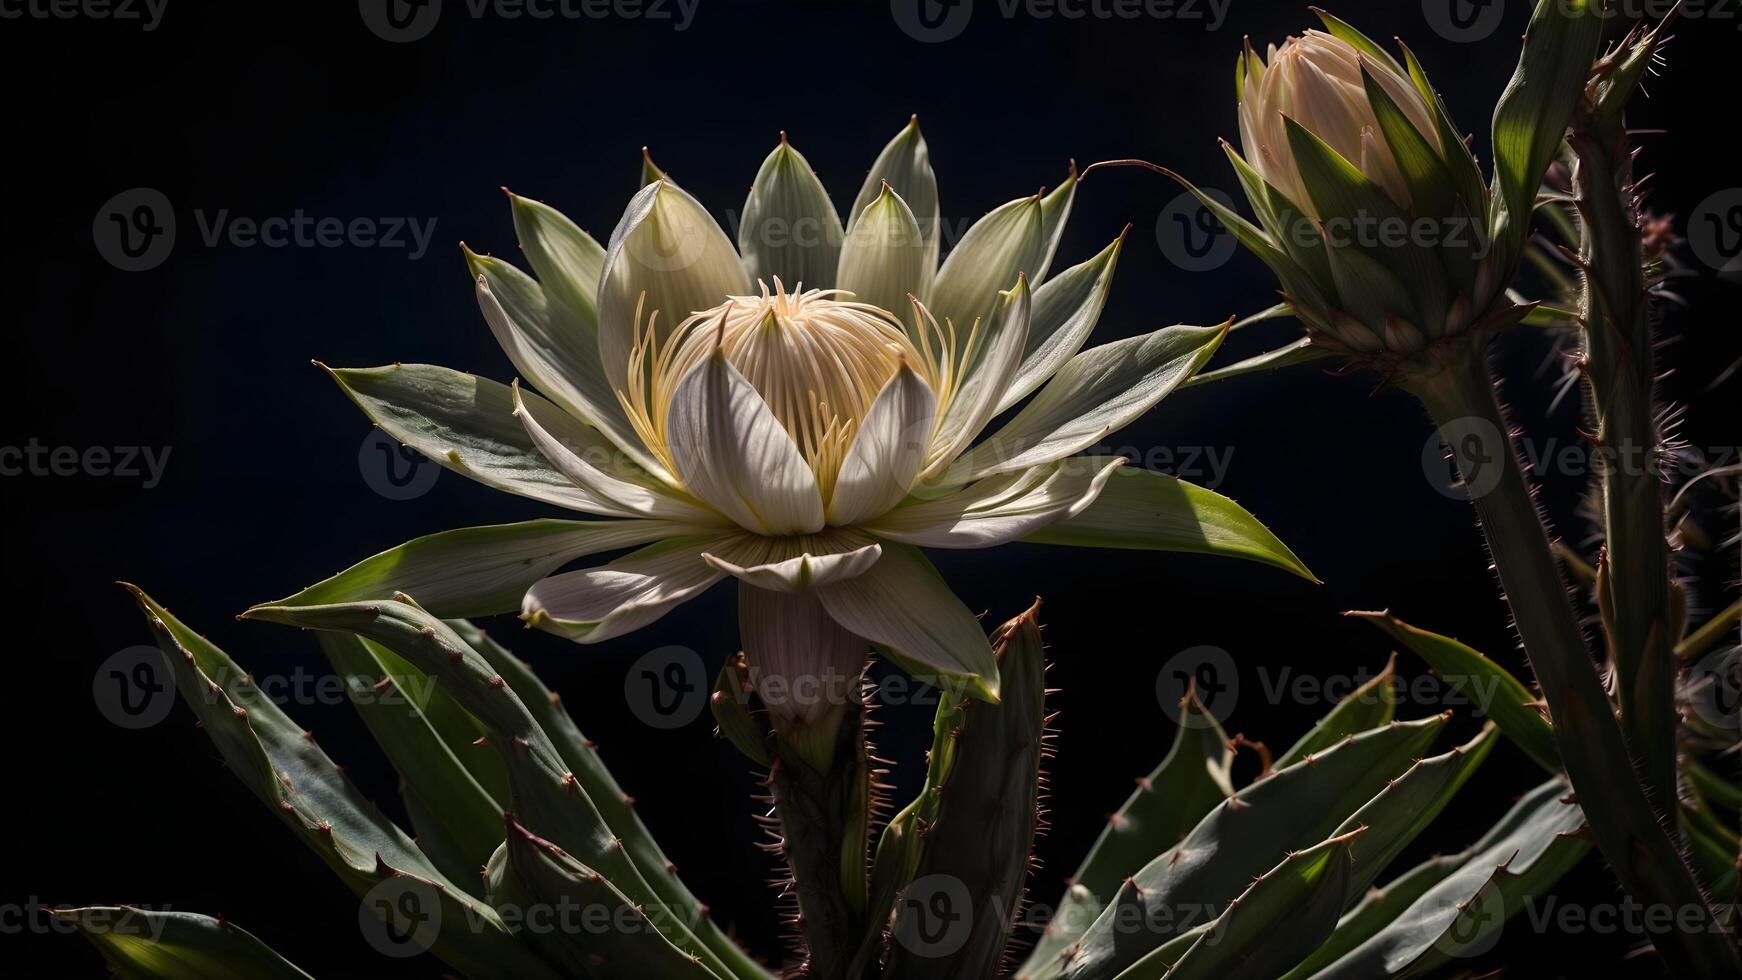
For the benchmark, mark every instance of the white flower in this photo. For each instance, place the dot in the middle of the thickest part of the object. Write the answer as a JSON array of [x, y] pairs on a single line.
[[798, 413]]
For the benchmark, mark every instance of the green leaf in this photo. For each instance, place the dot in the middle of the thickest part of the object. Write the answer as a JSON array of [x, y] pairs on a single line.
[[547, 794], [790, 228], [1461, 163], [1168, 803], [1376, 909], [1284, 914], [1518, 861], [1303, 292], [566, 259], [1532, 115], [1344, 31], [1368, 706], [1423, 169], [1347, 198], [310, 795], [1300, 351], [1403, 809], [1493, 691], [617, 807], [633, 944], [1152, 511], [1240, 839], [477, 571], [1098, 391], [459, 811], [729, 703], [141, 944]]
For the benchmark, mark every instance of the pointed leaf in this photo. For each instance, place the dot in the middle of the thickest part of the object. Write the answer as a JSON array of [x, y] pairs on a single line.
[[142, 944], [790, 228]]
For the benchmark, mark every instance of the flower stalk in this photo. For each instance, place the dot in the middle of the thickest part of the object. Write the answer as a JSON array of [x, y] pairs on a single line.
[[1635, 587], [1629, 832], [822, 805]]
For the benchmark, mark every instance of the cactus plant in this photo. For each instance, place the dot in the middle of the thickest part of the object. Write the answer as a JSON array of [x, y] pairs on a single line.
[[692, 441]]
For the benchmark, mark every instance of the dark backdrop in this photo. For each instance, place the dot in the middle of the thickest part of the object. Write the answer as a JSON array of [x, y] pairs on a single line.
[[258, 111]]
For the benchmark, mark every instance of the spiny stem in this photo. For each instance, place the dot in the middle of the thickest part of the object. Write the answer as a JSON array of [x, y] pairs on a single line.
[[1460, 397], [822, 801], [1639, 618]]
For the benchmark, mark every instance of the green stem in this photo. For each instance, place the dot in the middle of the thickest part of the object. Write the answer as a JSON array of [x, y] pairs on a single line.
[[822, 799], [1461, 399], [1635, 590]]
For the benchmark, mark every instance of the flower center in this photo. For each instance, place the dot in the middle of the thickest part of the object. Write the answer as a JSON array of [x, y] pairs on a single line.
[[818, 362]]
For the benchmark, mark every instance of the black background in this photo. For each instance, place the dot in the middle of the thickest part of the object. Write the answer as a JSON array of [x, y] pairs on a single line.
[[263, 110]]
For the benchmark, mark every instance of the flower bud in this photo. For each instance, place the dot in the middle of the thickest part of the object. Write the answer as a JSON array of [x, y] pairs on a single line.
[[1315, 80]]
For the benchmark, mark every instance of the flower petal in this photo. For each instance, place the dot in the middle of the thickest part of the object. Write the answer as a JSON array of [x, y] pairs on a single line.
[[478, 571], [1098, 391], [802, 662], [798, 563], [626, 495], [1017, 237], [731, 452], [466, 424], [905, 166], [790, 228], [888, 451], [903, 605], [596, 604], [668, 249], [1152, 511], [884, 259], [553, 352], [566, 259], [989, 372], [1066, 308], [1000, 509]]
